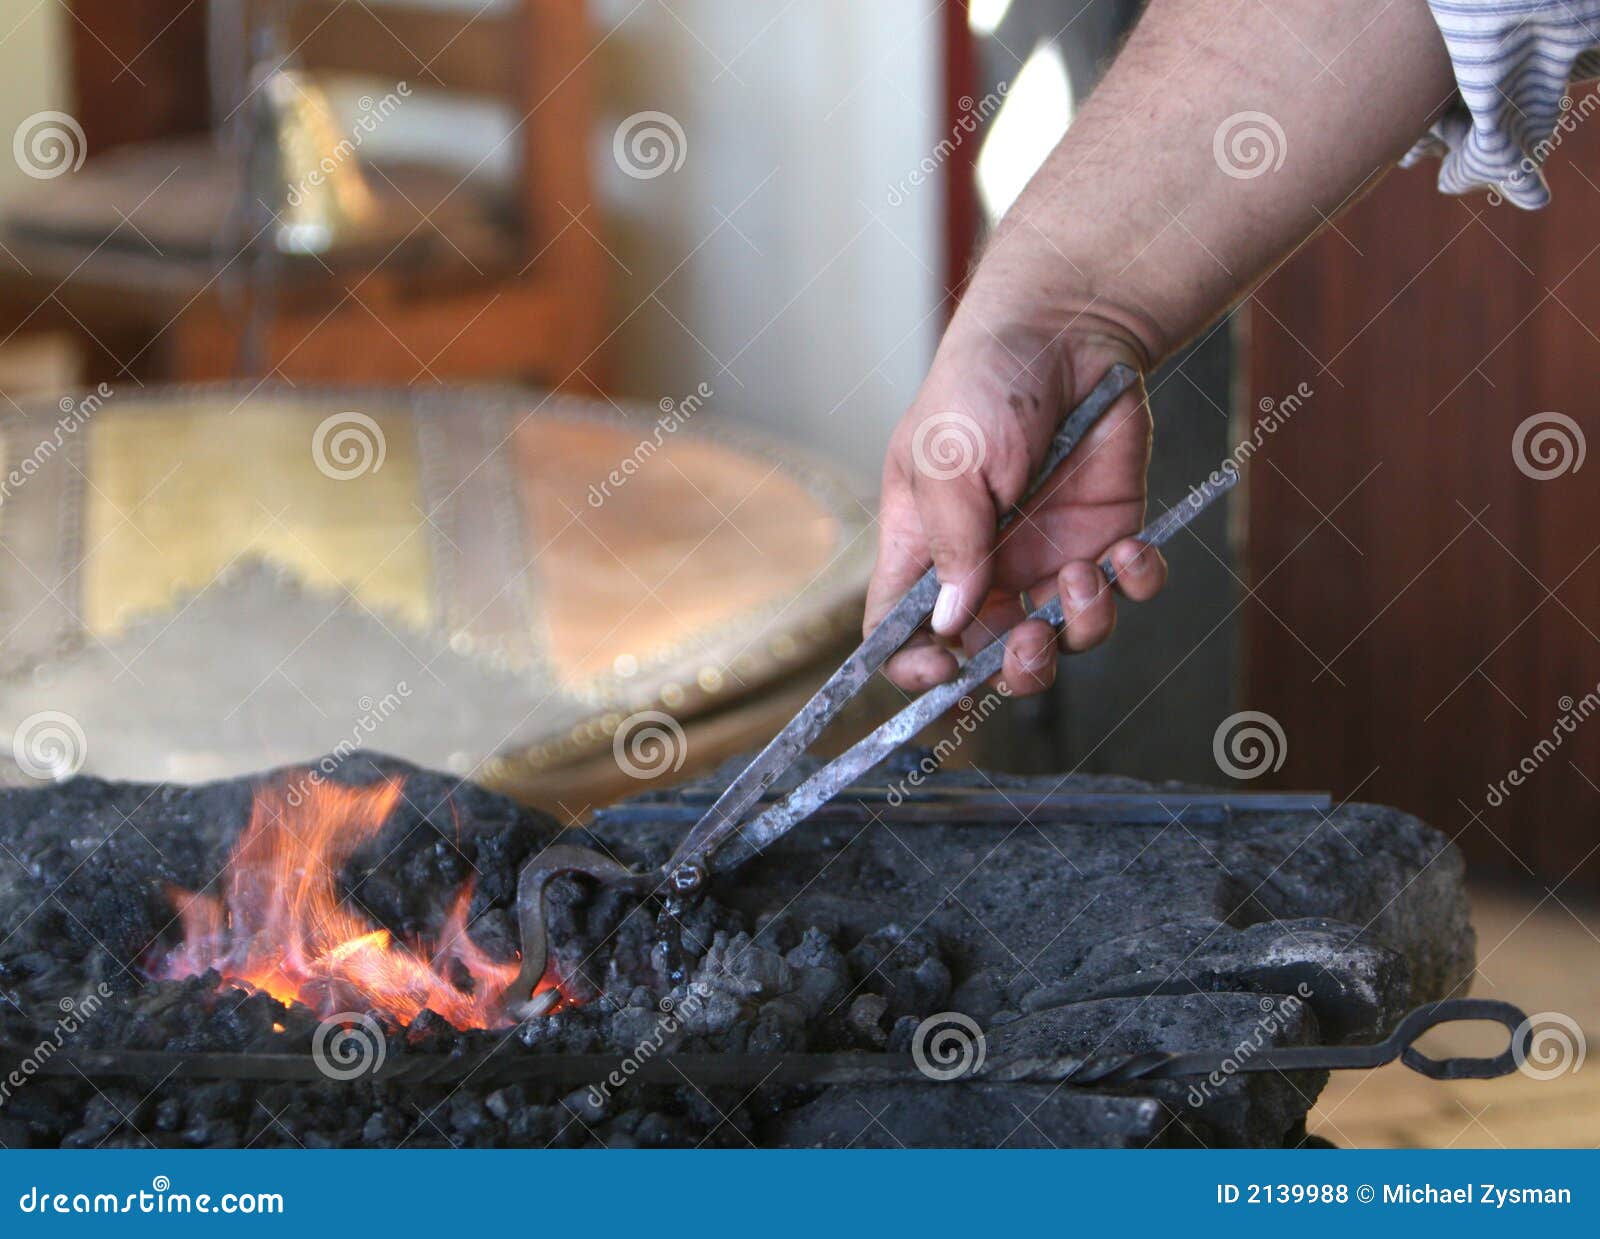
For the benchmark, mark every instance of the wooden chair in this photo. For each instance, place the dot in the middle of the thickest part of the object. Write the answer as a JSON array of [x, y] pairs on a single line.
[[502, 285]]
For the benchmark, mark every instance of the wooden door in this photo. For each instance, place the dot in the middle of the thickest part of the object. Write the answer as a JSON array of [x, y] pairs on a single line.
[[1424, 620]]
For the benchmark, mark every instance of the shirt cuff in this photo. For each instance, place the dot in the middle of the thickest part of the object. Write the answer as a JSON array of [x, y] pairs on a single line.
[[1514, 61]]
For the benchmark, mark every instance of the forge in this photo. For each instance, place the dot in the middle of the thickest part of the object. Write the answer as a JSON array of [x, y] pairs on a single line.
[[337, 952]]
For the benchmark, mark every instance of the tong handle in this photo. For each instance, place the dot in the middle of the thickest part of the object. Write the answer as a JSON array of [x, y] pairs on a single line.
[[1401, 1044], [833, 778]]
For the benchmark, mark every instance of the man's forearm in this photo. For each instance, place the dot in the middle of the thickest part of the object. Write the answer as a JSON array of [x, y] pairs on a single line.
[[1156, 212]]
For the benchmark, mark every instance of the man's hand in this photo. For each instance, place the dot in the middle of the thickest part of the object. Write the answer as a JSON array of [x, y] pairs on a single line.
[[963, 456], [1139, 229]]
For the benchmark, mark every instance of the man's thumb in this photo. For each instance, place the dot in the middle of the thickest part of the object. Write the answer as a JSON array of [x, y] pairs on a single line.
[[958, 520]]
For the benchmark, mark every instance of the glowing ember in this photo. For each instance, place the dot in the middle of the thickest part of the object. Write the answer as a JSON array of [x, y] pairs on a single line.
[[282, 927]]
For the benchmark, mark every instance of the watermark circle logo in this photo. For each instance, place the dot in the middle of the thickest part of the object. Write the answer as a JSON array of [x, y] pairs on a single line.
[[948, 1045], [347, 445], [349, 1045], [1548, 1045], [649, 144], [49, 745], [161, 1183], [1249, 744], [947, 446], [649, 744], [1547, 445], [1249, 144], [49, 144]]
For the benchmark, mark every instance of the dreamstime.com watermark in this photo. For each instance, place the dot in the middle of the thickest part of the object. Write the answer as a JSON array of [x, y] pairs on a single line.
[[673, 1015], [1549, 1045], [1573, 113], [948, 445], [1277, 1012], [1249, 144], [948, 1045], [1274, 414], [1248, 744], [48, 144], [972, 116], [348, 445], [49, 746], [373, 113], [374, 712], [973, 714], [158, 1198], [75, 1013], [349, 1045], [1548, 445], [675, 415], [75, 413], [649, 144], [649, 744], [1572, 713]]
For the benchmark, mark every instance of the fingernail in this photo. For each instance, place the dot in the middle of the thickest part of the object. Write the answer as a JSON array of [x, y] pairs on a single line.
[[1036, 661], [1135, 564], [1082, 585], [944, 610]]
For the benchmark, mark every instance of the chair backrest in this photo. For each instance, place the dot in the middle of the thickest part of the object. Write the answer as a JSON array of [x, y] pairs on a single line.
[[480, 50], [529, 56], [139, 74]]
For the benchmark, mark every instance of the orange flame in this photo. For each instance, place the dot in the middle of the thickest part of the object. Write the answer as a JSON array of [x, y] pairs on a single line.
[[282, 928]]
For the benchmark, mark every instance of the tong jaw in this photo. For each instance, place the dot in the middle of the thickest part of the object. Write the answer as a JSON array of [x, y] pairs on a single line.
[[558, 859], [684, 873]]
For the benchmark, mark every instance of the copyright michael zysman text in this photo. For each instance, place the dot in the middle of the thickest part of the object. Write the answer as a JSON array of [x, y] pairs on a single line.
[[1482, 1195]]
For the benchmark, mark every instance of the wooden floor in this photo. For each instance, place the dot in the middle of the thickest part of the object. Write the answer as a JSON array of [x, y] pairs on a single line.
[[1539, 951]]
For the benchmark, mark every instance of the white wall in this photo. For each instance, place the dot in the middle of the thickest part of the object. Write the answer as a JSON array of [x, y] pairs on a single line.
[[812, 308], [32, 56]]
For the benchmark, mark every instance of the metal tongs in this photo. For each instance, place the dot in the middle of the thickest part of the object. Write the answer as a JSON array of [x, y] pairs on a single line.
[[732, 830]]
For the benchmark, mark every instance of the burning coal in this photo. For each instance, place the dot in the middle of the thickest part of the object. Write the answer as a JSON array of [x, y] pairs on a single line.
[[282, 927]]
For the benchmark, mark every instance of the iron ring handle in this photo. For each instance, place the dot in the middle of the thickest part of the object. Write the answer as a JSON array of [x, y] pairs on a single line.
[[1462, 1010]]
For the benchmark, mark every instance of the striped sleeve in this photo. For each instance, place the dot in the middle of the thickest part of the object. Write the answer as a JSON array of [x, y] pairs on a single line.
[[1515, 62]]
